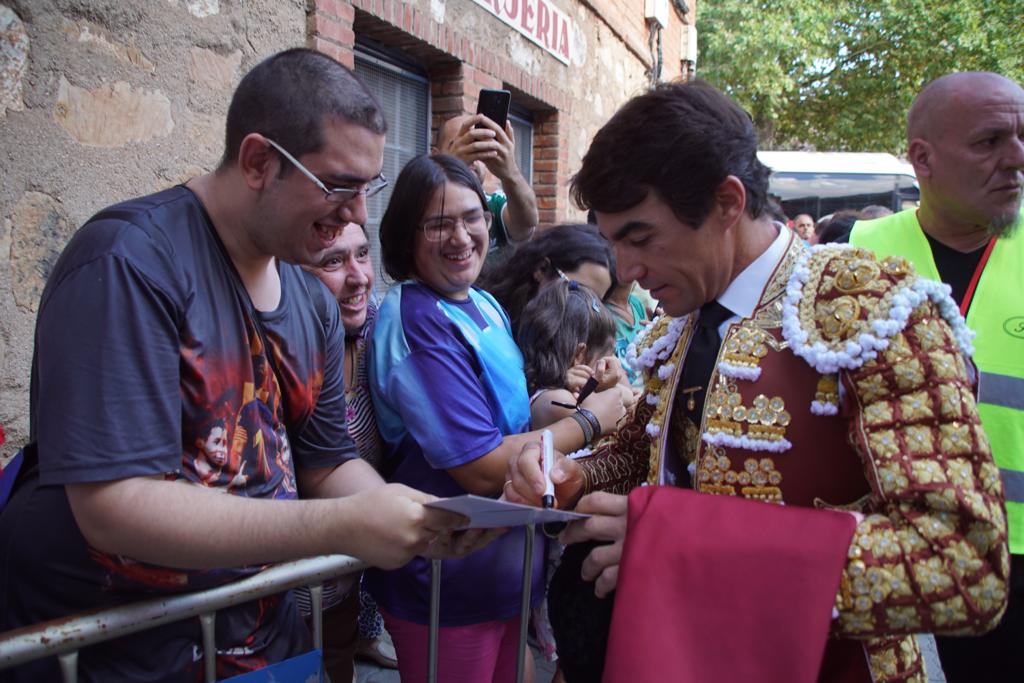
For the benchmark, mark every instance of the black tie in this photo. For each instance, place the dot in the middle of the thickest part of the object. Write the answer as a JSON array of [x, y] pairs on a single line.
[[697, 366]]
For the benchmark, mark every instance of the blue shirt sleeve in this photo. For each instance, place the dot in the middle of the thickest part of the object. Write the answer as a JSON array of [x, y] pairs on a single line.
[[428, 383], [438, 395]]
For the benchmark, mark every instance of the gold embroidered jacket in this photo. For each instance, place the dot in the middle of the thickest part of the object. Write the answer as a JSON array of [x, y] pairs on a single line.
[[847, 388]]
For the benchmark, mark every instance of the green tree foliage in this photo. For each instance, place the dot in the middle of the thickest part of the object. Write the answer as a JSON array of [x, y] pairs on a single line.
[[841, 74]]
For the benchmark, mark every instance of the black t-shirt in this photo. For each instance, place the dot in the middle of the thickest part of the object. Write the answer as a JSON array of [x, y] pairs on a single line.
[[148, 362], [956, 268]]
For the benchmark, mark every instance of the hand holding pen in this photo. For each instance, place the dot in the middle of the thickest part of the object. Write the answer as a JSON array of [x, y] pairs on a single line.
[[586, 390], [530, 481], [604, 410]]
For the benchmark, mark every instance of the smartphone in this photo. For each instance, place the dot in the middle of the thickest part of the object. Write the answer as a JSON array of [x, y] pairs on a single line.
[[494, 105]]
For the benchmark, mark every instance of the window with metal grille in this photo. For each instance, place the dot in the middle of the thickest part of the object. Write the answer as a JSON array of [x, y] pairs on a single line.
[[522, 128], [405, 97]]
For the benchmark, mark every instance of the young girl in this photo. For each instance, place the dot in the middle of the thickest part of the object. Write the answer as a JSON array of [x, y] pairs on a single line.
[[567, 336]]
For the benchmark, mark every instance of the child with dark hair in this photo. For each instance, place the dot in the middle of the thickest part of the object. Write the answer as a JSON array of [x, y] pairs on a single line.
[[567, 336], [574, 251]]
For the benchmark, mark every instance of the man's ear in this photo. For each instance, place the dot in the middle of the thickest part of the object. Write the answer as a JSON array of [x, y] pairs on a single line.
[[257, 161], [919, 154], [730, 201]]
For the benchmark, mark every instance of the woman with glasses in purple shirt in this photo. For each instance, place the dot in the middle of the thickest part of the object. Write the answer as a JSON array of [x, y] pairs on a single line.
[[451, 403]]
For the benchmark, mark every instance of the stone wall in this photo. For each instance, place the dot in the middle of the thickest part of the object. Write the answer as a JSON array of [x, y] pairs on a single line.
[[102, 100]]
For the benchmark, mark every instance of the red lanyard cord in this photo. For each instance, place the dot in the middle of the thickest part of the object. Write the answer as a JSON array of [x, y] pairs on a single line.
[[969, 294]]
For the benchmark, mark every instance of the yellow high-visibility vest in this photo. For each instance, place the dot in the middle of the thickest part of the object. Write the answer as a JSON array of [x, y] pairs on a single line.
[[996, 315]]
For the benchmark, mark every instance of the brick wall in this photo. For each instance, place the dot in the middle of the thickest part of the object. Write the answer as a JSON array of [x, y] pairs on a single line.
[[550, 167], [466, 49], [329, 29]]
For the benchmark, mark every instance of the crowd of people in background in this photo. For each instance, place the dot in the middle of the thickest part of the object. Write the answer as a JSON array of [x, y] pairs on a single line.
[[830, 228], [433, 371]]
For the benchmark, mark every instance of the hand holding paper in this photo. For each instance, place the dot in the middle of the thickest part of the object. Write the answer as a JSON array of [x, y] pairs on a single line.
[[488, 513]]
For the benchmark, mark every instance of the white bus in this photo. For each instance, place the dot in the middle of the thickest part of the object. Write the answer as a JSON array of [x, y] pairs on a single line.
[[821, 183]]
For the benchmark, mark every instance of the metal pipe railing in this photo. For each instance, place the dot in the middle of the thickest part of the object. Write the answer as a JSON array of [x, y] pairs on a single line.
[[65, 637], [524, 610]]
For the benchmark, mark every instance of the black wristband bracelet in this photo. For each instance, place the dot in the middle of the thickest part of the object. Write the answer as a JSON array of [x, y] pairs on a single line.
[[584, 423], [592, 419]]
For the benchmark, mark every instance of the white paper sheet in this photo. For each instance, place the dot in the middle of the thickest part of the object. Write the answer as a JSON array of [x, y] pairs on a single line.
[[487, 513]]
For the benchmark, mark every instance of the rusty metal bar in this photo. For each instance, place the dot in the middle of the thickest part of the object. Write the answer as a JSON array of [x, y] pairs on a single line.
[[66, 636], [207, 622]]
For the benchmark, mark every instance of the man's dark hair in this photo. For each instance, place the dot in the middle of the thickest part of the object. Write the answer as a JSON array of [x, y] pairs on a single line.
[[414, 189], [288, 98], [562, 247], [680, 140]]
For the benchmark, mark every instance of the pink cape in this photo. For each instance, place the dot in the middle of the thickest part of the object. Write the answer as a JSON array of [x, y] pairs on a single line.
[[715, 588]]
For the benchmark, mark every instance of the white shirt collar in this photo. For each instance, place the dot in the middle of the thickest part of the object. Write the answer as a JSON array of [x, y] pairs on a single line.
[[744, 292]]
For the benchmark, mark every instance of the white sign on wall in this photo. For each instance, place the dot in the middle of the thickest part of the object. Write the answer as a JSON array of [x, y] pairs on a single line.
[[538, 20]]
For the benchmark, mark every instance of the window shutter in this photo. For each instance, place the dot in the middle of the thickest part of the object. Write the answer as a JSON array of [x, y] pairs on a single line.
[[522, 127], [405, 98]]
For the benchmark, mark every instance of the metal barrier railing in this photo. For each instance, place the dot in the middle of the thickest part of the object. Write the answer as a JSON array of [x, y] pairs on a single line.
[[63, 638]]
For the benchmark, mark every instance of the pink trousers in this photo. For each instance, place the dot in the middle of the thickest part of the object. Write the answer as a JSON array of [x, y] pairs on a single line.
[[465, 654]]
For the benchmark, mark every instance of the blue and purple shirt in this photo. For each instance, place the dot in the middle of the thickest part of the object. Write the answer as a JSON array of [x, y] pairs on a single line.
[[448, 384]]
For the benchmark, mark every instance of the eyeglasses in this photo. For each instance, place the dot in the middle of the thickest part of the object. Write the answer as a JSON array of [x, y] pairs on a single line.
[[337, 195], [441, 229]]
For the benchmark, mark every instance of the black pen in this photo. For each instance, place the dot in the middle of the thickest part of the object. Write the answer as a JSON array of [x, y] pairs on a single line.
[[588, 388]]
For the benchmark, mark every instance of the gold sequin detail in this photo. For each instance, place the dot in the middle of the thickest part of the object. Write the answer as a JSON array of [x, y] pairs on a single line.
[[878, 413], [955, 439], [837, 316], [918, 440], [916, 406], [827, 390], [746, 346], [857, 275], [896, 265], [765, 419]]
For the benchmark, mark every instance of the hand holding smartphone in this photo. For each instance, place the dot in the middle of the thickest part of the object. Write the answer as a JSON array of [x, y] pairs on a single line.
[[494, 105]]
